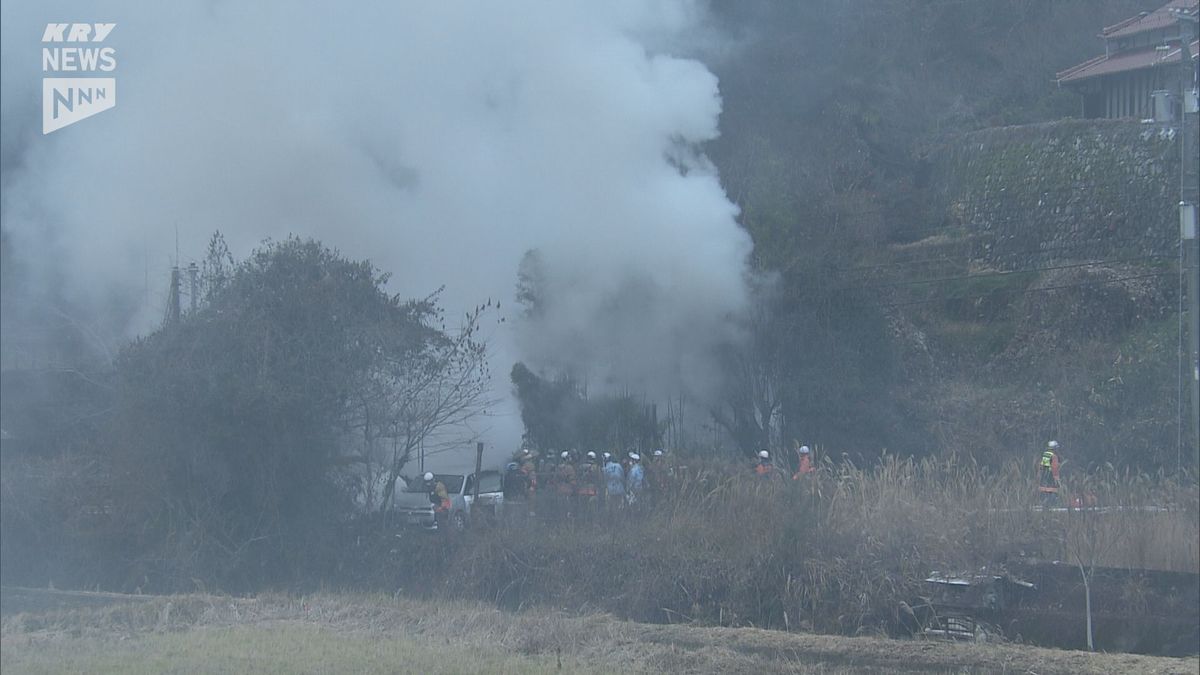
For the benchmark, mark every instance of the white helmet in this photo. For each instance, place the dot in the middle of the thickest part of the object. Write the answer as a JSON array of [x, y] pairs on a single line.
[[591, 455], [804, 450], [658, 453], [634, 456], [608, 455], [764, 454], [1053, 445], [564, 454], [428, 476]]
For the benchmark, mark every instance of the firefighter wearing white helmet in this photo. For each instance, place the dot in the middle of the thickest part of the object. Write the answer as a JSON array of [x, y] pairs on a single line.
[[805, 465], [635, 478], [564, 484], [588, 485], [764, 468], [614, 482], [439, 498], [1048, 478]]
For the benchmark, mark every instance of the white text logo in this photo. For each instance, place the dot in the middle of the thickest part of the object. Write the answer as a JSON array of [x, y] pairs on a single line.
[[66, 100]]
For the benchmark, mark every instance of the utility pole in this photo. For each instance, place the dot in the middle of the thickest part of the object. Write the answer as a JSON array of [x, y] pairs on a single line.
[[194, 288], [478, 470], [1189, 197], [173, 301]]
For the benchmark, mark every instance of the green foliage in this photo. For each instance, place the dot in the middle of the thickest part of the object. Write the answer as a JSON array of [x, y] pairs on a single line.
[[226, 441]]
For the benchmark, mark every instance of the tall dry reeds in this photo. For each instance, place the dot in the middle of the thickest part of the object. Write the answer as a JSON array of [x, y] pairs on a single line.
[[838, 551]]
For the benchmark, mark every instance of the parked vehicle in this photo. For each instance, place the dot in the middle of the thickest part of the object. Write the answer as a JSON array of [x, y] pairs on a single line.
[[413, 508]]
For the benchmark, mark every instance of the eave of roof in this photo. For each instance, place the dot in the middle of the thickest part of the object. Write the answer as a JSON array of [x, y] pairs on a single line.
[[1121, 63], [1159, 18]]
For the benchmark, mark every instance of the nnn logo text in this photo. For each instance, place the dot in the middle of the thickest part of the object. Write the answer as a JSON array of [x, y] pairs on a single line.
[[76, 48]]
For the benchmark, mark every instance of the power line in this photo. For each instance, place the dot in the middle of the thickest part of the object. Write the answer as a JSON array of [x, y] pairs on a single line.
[[1028, 291], [1043, 250]]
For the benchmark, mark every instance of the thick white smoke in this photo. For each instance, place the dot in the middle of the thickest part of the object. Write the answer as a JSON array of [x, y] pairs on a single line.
[[439, 139]]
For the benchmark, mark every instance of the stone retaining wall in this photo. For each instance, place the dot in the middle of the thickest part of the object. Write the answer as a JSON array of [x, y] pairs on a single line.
[[1070, 190]]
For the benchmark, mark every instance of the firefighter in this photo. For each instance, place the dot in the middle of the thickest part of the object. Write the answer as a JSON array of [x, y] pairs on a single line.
[[516, 489], [587, 485], [763, 468], [806, 466], [656, 475], [1048, 479], [614, 482], [547, 470], [514, 483], [529, 472], [564, 483], [635, 479], [439, 497]]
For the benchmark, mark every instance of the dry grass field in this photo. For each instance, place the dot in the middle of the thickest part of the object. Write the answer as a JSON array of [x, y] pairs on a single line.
[[57, 631]]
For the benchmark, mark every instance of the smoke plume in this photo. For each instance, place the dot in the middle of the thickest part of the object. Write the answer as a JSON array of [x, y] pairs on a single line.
[[440, 140]]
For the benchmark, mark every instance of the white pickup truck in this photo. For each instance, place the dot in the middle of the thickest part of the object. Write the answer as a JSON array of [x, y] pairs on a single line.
[[413, 508]]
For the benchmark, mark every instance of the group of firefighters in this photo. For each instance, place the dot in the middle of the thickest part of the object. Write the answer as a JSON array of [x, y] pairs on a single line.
[[802, 462], [1048, 467], [570, 484]]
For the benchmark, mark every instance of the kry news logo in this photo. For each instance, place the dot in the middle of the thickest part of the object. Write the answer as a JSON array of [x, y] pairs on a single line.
[[66, 100]]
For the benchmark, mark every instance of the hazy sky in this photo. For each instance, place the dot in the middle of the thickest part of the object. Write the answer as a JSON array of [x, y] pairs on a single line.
[[440, 140]]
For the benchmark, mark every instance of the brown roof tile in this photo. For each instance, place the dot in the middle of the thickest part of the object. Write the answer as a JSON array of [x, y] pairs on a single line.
[[1159, 18], [1123, 62]]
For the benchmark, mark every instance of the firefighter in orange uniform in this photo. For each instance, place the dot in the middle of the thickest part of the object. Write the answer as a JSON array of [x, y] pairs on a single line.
[[439, 497], [806, 466]]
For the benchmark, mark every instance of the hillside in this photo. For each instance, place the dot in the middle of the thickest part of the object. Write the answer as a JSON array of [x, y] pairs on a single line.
[[945, 267]]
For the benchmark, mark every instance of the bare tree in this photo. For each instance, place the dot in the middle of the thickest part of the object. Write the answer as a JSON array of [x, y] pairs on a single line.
[[1088, 540], [427, 391], [751, 410]]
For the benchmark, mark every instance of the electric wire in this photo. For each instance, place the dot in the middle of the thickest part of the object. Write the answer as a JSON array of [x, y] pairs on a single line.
[[1028, 291]]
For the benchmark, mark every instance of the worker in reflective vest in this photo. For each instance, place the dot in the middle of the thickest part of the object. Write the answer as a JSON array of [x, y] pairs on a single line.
[[1048, 482]]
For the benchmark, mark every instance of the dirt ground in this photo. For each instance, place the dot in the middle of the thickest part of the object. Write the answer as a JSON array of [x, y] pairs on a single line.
[[71, 631]]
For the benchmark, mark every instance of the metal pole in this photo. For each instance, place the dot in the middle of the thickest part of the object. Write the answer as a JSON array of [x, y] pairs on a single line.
[[1189, 195], [475, 487], [1191, 257], [478, 470], [173, 301], [194, 290]]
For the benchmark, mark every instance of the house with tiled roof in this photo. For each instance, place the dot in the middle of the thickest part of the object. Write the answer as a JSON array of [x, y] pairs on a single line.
[[1141, 56]]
